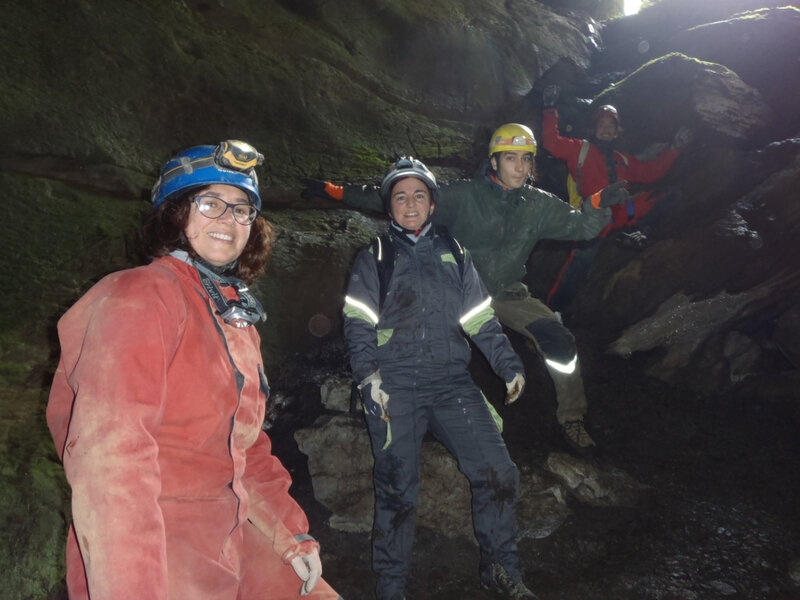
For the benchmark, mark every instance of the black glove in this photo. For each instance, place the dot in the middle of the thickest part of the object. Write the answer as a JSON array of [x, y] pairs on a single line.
[[315, 189], [550, 95], [614, 194], [635, 239]]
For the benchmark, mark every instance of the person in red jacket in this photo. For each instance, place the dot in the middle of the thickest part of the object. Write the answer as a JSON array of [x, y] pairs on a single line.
[[593, 165], [157, 405]]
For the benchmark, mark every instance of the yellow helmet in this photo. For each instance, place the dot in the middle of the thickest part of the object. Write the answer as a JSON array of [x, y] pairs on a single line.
[[512, 137]]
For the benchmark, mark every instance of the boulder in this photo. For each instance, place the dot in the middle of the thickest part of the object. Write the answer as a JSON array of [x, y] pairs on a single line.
[[595, 485], [340, 465], [761, 47], [675, 90], [335, 394]]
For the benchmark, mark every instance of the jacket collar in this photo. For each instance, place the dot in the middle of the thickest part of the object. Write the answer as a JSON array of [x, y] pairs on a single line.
[[410, 238]]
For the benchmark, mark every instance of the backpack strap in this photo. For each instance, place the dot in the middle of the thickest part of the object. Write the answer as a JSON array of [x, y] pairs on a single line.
[[455, 248], [581, 159], [384, 253]]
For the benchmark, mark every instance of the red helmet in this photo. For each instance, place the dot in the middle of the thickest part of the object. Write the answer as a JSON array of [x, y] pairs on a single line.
[[606, 110]]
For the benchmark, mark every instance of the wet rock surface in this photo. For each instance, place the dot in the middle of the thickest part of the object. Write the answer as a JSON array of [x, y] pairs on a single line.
[[712, 513]]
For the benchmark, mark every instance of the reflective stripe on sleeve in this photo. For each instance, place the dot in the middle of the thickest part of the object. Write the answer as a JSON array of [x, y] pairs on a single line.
[[476, 317], [358, 310]]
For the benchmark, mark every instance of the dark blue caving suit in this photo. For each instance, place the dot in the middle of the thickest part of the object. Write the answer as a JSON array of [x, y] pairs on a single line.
[[417, 341]]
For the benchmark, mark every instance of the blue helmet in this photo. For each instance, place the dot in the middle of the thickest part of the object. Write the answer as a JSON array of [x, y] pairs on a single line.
[[231, 162]]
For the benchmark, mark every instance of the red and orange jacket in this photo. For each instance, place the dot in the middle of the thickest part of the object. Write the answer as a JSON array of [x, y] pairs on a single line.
[[156, 411], [593, 175]]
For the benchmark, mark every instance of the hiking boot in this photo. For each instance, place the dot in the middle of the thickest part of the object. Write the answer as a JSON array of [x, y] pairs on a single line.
[[577, 437], [501, 582]]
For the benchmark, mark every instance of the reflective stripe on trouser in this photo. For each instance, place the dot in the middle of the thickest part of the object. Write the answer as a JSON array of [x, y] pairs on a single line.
[[458, 417], [519, 315]]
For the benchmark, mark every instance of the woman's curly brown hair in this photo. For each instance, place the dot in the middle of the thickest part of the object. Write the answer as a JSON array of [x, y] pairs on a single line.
[[162, 230]]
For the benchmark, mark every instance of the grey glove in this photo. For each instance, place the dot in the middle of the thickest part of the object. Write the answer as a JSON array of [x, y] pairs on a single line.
[[683, 137], [376, 401], [308, 568], [514, 388], [614, 194], [550, 95]]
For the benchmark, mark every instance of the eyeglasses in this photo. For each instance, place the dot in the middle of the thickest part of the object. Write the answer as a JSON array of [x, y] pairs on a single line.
[[213, 208]]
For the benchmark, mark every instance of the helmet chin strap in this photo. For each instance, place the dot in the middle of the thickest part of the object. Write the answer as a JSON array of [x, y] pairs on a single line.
[[245, 311]]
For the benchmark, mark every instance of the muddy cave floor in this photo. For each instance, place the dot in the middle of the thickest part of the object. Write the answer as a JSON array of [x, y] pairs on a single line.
[[724, 520]]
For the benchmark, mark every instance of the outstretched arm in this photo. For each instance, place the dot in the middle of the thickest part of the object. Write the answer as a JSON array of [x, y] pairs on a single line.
[[557, 220], [561, 147], [362, 197]]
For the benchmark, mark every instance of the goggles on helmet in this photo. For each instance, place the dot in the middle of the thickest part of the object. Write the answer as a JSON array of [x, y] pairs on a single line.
[[231, 162], [237, 155]]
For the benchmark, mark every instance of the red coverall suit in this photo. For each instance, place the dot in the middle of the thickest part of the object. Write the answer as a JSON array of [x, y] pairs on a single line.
[[594, 176], [156, 411]]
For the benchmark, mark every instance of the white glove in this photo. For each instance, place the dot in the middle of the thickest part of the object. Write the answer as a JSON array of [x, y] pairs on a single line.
[[377, 395], [634, 238], [514, 388], [683, 137], [308, 568]]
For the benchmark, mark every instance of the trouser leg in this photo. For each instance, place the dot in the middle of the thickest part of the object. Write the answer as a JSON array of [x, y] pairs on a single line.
[[570, 395], [572, 275], [462, 421], [555, 344], [396, 476]]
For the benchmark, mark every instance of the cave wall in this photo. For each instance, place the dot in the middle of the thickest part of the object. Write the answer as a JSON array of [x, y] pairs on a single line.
[[97, 95]]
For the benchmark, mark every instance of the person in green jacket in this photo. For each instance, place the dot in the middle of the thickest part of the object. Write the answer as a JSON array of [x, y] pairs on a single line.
[[500, 217]]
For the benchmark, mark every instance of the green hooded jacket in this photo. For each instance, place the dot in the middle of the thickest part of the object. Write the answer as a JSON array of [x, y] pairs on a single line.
[[499, 227]]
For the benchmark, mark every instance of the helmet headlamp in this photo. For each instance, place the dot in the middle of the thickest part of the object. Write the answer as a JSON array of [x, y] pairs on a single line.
[[244, 312]]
